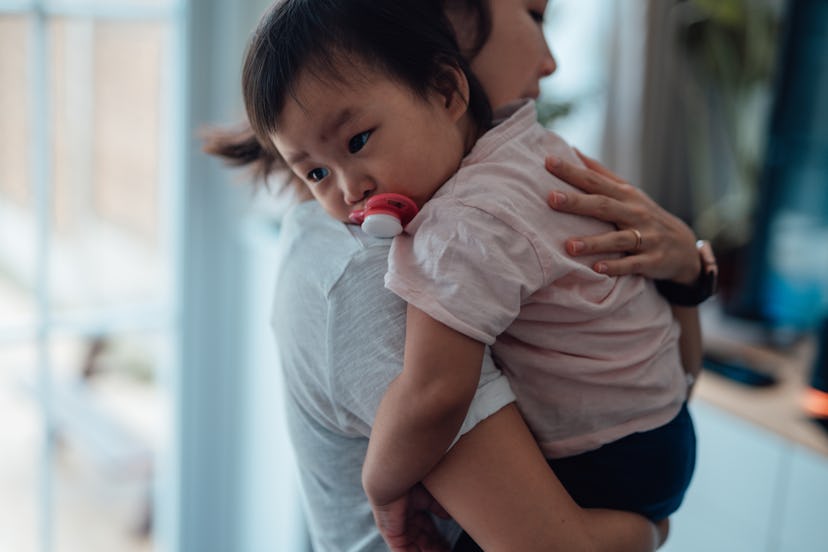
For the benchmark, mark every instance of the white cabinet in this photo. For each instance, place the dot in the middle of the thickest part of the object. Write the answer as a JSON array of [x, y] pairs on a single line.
[[752, 491], [803, 517]]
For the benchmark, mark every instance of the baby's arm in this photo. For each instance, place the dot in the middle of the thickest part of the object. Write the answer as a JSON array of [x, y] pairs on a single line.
[[690, 342], [423, 408]]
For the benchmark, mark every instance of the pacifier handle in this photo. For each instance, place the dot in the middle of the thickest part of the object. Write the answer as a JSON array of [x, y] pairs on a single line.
[[385, 215]]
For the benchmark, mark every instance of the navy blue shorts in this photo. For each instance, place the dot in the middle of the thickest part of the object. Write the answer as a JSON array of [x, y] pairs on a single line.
[[647, 473]]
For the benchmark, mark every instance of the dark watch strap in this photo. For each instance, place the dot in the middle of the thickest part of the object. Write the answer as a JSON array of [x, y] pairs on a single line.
[[700, 290]]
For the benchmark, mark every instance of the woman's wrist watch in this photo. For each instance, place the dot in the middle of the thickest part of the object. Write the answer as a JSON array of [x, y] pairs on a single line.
[[690, 295]]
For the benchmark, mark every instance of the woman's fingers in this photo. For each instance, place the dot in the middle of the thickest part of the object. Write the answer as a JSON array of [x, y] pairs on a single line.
[[657, 243], [588, 179], [428, 539], [620, 241], [582, 178], [631, 264], [596, 166], [593, 205]]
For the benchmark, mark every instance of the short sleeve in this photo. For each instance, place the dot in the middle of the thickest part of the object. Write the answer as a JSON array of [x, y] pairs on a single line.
[[465, 268], [366, 341]]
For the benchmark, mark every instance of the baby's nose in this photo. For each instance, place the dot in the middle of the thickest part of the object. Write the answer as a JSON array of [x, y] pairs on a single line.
[[358, 189]]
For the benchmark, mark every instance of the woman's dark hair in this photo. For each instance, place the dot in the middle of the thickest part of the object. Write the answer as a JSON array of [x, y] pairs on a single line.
[[411, 41]]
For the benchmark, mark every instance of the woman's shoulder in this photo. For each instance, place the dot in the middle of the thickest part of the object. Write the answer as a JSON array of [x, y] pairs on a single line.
[[322, 250]]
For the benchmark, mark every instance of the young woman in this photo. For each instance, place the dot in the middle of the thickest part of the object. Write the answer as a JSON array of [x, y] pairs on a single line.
[[362, 99], [331, 273]]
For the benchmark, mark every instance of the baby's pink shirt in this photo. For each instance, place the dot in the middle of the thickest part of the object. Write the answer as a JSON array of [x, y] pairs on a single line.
[[591, 358]]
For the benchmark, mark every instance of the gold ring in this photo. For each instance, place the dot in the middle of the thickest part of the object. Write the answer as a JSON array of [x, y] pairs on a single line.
[[638, 240]]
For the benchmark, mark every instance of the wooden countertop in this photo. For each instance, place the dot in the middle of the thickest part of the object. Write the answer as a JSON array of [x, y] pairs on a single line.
[[778, 407]]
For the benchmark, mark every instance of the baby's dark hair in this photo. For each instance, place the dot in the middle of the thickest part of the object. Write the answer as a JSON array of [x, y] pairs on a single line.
[[240, 146], [410, 41]]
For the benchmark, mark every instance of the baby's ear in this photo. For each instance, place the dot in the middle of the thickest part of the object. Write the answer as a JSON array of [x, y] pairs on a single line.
[[453, 87]]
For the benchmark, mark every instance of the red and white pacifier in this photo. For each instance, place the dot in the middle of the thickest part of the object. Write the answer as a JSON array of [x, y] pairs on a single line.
[[385, 215]]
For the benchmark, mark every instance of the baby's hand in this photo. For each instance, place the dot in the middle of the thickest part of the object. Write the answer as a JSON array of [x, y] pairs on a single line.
[[405, 523]]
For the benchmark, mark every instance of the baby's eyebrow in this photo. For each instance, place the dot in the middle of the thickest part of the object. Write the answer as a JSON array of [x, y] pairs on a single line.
[[296, 157], [344, 115]]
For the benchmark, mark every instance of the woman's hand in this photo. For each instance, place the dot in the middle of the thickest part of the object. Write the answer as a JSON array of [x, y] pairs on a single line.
[[658, 244], [406, 526]]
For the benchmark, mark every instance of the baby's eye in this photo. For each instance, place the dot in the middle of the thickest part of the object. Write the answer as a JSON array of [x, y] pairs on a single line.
[[358, 142], [536, 15], [318, 174]]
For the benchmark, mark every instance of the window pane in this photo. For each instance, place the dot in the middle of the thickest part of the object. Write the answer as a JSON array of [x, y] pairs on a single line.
[[20, 443], [17, 228], [108, 420], [109, 247]]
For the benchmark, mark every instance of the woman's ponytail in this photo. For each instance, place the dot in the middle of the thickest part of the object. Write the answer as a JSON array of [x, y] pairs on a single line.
[[239, 147]]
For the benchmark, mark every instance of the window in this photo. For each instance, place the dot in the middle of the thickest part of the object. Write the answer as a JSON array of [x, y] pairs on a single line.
[[87, 273], [576, 94], [133, 342]]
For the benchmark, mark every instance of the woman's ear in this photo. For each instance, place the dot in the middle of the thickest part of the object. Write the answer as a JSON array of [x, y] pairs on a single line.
[[452, 86]]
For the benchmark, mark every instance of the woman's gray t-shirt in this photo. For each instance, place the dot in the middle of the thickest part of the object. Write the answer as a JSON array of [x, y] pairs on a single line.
[[340, 338]]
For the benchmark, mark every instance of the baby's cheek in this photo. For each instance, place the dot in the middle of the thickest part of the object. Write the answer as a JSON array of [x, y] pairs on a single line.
[[303, 192]]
